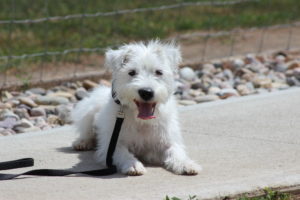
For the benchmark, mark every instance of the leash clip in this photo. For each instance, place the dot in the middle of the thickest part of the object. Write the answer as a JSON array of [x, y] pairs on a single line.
[[120, 113]]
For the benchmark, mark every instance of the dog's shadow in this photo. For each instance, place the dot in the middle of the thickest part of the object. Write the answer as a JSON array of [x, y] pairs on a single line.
[[86, 163]]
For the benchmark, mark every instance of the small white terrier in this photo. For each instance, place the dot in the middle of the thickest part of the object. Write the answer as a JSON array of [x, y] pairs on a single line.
[[143, 81]]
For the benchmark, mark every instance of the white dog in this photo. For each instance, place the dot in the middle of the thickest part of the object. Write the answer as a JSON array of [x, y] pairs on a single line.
[[143, 82]]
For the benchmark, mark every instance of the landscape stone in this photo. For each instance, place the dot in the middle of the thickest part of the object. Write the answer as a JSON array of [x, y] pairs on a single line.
[[51, 100], [6, 113], [38, 91], [8, 123], [206, 98], [187, 73], [27, 101], [81, 93], [186, 102], [36, 112], [88, 84]]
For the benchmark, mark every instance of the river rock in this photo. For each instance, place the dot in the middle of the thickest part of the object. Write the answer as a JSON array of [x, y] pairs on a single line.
[[81, 93], [8, 123], [61, 94], [243, 90], [51, 100], [214, 90], [53, 120], [238, 63], [64, 114], [186, 102], [4, 114], [208, 68], [27, 130], [88, 84], [22, 125], [105, 82], [38, 91], [206, 98], [228, 92], [7, 132], [27, 101], [21, 112], [36, 112], [187, 73]]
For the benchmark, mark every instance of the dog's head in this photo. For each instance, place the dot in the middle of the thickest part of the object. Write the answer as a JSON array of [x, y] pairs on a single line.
[[143, 75]]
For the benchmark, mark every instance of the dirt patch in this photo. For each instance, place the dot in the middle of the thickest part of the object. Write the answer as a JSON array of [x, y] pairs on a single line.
[[195, 49]]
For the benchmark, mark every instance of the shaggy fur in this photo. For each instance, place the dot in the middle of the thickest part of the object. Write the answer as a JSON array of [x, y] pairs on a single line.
[[143, 80]]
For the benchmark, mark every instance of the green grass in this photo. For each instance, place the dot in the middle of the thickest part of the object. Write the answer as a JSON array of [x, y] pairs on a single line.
[[103, 31], [269, 195], [112, 30]]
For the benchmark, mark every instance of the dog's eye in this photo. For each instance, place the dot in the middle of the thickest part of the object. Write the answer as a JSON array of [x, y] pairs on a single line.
[[158, 72], [132, 73]]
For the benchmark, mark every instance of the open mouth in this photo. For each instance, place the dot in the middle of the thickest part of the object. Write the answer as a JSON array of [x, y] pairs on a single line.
[[146, 110]]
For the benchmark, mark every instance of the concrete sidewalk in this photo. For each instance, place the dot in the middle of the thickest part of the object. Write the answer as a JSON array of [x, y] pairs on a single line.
[[243, 144]]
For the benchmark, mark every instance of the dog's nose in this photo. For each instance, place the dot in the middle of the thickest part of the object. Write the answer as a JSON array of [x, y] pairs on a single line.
[[146, 93]]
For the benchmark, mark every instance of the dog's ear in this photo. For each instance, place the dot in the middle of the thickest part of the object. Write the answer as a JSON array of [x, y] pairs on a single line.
[[174, 55], [115, 59]]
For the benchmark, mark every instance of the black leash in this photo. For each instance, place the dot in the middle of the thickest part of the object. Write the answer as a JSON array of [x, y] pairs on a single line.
[[28, 162]]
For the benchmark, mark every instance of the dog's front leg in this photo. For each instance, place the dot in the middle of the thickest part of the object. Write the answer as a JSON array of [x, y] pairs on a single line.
[[127, 163], [178, 162]]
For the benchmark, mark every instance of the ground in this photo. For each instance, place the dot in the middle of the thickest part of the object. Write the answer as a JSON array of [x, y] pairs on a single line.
[[241, 43]]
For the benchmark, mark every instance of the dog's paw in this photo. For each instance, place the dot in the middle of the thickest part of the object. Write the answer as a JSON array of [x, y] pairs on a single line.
[[84, 144], [186, 168], [134, 169]]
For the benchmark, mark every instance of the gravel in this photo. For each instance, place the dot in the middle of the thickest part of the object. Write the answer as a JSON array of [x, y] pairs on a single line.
[[41, 109]]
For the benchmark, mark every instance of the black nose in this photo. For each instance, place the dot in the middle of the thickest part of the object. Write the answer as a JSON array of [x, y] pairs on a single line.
[[146, 93]]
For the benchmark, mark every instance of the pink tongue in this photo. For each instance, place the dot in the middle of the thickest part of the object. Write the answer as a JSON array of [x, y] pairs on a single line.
[[145, 111]]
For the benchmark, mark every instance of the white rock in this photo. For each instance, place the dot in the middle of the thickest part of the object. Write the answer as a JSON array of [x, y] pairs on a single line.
[[238, 63], [187, 73], [214, 90]]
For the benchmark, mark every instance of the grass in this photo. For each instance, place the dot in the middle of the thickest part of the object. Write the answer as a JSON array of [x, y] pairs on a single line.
[[104, 31], [21, 39], [269, 195]]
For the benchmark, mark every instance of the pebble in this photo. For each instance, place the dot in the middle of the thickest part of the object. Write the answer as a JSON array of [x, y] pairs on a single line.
[[38, 91], [186, 102], [187, 73], [81, 93], [61, 94], [27, 130], [105, 82], [228, 92], [8, 123], [27, 101], [64, 114], [4, 114], [21, 112], [206, 98], [22, 125], [53, 120], [197, 85], [243, 90], [6, 132], [88, 84], [214, 90], [8, 95], [36, 112], [51, 100], [238, 63]]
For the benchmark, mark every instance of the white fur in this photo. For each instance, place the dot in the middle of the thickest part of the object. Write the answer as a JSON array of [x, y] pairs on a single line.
[[154, 141]]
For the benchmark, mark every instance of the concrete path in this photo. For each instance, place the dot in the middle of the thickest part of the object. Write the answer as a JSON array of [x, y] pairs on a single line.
[[243, 144]]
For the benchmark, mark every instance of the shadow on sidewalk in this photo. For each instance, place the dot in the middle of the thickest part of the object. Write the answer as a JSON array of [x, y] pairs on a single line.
[[87, 162]]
